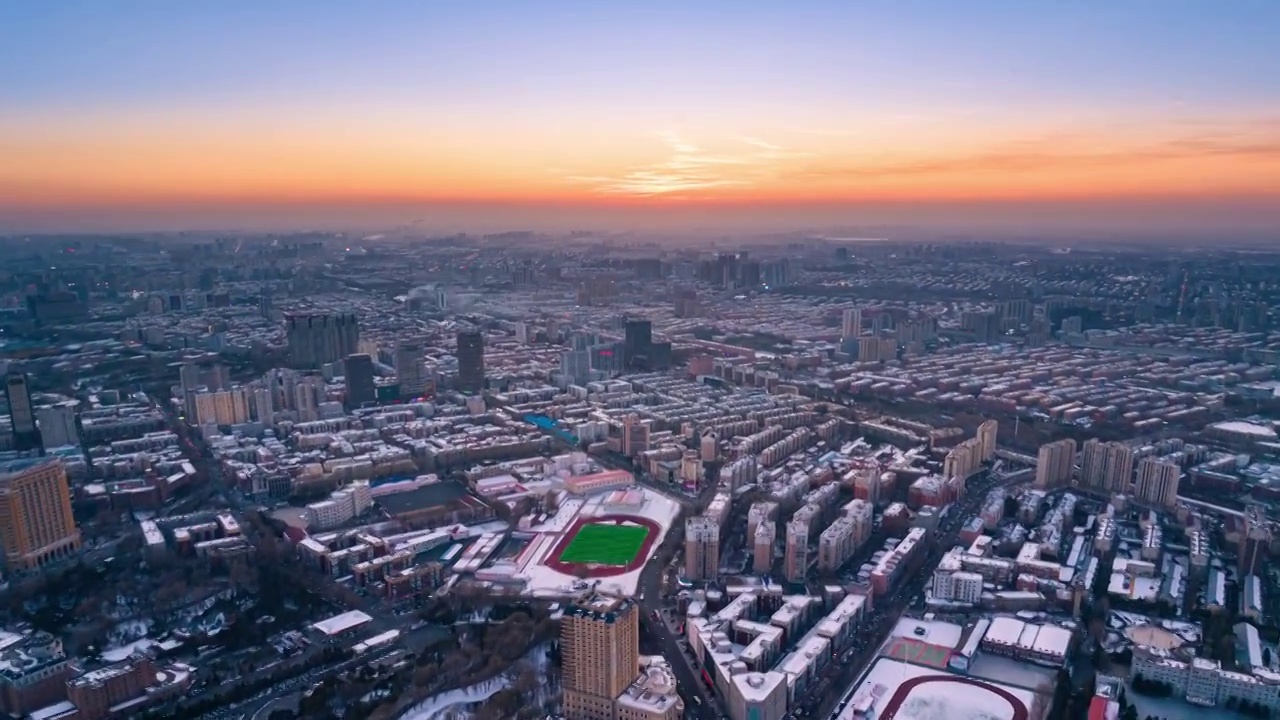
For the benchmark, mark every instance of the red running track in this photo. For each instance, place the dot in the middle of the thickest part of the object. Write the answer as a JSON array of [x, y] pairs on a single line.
[[900, 695], [595, 571]]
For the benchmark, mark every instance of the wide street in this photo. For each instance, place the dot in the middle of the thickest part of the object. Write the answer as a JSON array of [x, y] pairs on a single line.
[[651, 603]]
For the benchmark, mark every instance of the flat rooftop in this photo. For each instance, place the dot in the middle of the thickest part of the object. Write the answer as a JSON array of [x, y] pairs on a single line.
[[341, 623], [17, 465], [420, 498]]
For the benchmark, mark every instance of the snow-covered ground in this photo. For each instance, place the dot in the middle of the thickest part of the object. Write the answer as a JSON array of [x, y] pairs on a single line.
[[122, 652], [435, 708], [942, 699], [544, 581]]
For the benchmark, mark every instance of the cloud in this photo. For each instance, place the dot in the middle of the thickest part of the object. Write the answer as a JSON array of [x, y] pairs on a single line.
[[689, 168], [760, 143], [1061, 151]]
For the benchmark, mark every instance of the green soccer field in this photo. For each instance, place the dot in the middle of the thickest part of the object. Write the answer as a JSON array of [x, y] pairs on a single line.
[[601, 544]]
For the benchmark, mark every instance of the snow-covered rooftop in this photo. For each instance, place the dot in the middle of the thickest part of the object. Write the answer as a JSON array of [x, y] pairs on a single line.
[[343, 622]]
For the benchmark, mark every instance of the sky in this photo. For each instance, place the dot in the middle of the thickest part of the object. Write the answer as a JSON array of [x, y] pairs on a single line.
[[149, 114]]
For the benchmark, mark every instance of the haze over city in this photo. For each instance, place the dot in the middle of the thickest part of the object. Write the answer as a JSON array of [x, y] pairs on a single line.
[[1012, 117]]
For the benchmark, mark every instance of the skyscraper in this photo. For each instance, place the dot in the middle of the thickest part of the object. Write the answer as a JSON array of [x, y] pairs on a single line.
[[36, 524], [358, 371], [600, 645], [637, 343], [701, 548], [470, 361], [410, 370], [22, 415], [316, 340]]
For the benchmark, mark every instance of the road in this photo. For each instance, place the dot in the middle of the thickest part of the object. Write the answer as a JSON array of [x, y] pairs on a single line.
[[651, 601]]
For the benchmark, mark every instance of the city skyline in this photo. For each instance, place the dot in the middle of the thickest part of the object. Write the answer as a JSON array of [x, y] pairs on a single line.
[[659, 116]]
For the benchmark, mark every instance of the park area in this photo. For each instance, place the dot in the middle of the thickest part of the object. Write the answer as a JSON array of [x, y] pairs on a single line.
[[605, 544]]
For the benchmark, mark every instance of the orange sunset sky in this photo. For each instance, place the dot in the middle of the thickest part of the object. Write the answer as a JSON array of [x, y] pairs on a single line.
[[154, 111]]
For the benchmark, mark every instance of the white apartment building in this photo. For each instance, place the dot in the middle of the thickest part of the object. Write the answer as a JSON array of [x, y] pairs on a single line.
[[342, 506], [1204, 682]]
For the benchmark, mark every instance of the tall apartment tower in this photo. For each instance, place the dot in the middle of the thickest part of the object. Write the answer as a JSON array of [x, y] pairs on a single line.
[[796, 560], [58, 425], [470, 361], [600, 644], [635, 436], [1106, 467], [762, 548], [1118, 470], [17, 391], [36, 524], [358, 371], [1158, 482], [1056, 463], [987, 439], [1093, 463], [851, 324], [411, 372], [316, 340], [1255, 541], [701, 548]]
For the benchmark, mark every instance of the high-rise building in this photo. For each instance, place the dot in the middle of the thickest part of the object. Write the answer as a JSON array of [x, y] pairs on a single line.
[[985, 326], [58, 425], [411, 372], [763, 540], [262, 406], [638, 344], [608, 358], [36, 524], [203, 373], [796, 558], [701, 548], [851, 324], [224, 407], [635, 435], [575, 366], [987, 432], [1158, 482], [307, 395], [470, 354], [872, 348], [316, 340], [844, 537], [1019, 311], [357, 369], [17, 392], [1106, 467], [1055, 464], [600, 646], [1255, 541]]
